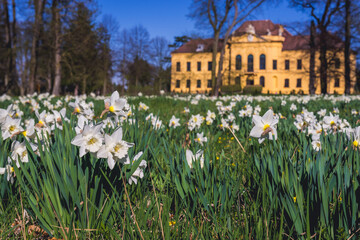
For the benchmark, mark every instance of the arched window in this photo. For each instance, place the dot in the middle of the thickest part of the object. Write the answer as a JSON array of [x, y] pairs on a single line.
[[238, 62], [250, 63], [262, 61], [262, 81]]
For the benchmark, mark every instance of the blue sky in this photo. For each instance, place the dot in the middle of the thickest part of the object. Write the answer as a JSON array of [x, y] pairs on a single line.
[[168, 18]]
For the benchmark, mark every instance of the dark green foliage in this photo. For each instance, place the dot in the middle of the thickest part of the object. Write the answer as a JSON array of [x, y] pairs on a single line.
[[231, 88], [252, 89]]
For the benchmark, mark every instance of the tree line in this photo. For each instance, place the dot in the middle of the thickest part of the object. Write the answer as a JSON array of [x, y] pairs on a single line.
[[330, 20], [57, 46]]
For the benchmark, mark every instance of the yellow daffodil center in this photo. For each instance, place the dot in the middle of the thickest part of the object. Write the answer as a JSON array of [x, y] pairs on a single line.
[[24, 133], [172, 123], [16, 115], [266, 126], [198, 139], [24, 153], [11, 169], [41, 122], [112, 109], [77, 110], [355, 143], [92, 141], [294, 199], [12, 128], [332, 123], [117, 147], [171, 223], [195, 119], [208, 122]]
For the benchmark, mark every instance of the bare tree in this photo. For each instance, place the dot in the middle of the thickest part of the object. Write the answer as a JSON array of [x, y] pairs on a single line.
[[39, 10], [222, 16], [140, 46], [57, 46], [322, 11], [160, 51]]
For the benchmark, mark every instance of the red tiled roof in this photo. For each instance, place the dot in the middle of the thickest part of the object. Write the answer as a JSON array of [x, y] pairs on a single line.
[[262, 27], [191, 46]]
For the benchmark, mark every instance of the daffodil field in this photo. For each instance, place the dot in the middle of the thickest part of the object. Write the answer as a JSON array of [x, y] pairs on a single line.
[[179, 167]]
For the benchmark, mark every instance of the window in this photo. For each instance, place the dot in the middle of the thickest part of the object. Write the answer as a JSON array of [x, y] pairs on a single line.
[[188, 83], [249, 81], [274, 64], [337, 63], [177, 84], [198, 83], [250, 63], [237, 81], [299, 64], [238, 62], [262, 61], [298, 82], [199, 66], [287, 64], [209, 83], [178, 66], [188, 66], [337, 82], [286, 83], [209, 66], [262, 81]]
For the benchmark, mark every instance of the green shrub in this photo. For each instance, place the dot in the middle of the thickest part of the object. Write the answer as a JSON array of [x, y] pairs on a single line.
[[231, 88], [253, 89]]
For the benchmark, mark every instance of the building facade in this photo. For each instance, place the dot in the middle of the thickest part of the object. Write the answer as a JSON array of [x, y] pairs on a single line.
[[258, 53]]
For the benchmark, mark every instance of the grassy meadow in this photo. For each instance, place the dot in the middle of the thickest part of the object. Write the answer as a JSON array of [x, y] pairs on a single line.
[[179, 167]]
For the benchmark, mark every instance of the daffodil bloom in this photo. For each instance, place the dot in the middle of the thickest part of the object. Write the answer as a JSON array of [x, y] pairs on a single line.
[[115, 105], [174, 122], [10, 127], [264, 127], [9, 170], [200, 138], [139, 172], [190, 157], [19, 152], [89, 140], [115, 149]]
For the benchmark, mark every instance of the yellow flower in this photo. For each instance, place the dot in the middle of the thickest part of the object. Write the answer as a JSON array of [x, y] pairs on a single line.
[[112, 109], [355, 143], [171, 223], [294, 199]]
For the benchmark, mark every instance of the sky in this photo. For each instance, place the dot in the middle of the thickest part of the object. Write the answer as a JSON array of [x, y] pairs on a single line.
[[168, 18]]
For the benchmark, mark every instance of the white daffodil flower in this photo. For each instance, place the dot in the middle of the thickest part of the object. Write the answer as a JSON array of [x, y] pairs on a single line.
[[174, 122], [265, 126], [115, 105], [5, 113], [10, 127], [190, 157], [9, 170], [355, 137], [19, 152], [139, 172], [115, 149], [89, 140], [200, 138]]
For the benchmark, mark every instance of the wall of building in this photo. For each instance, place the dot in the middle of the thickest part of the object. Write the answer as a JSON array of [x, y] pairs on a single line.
[[271, 47]]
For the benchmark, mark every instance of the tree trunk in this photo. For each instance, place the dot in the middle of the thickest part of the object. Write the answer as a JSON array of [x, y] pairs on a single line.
[[312, 79], [323, 61], [14, 43], [39, 8], [105, 71], [8, 46], [347, 47], [57, 49], [213, 67]]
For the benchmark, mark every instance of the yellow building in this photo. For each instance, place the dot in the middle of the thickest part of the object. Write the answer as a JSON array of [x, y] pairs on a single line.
[[257, 53]]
